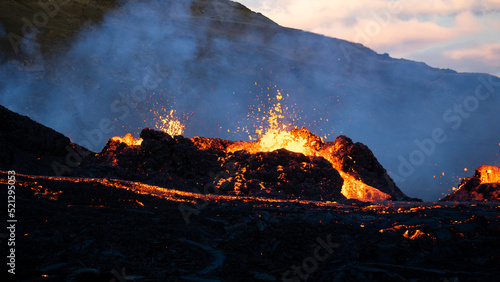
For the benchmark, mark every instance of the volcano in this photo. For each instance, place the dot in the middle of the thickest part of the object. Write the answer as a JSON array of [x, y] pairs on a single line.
[[483, 186], [331, 171]]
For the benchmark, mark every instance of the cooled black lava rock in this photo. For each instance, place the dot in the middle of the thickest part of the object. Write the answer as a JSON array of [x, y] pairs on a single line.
[[284, 172], [29, 147], [178, 163], [160, 159]]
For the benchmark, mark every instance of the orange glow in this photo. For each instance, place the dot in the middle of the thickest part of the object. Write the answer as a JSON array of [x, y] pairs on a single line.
[[278, 136], [276, 139], [128, 139], [414, 235], [173, 194], [355, 189], [489, 174], [170, 124]]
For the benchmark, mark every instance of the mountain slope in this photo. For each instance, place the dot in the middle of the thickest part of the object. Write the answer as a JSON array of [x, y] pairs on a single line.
[[32, 148], [217, 63]]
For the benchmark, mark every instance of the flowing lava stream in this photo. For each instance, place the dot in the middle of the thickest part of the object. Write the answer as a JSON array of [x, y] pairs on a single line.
[[169, 194], [166, 193]]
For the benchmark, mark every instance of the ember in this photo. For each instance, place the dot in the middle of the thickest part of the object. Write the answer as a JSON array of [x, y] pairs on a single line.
[[169, 124]]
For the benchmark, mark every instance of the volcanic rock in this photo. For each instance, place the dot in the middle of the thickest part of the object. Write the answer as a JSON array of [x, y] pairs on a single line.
[[97, 228], [179, 162], [483, 186], [160, 159], [357, 160], [32, 148], [212, 144], [285, 172], [188, 164], [239, 168]]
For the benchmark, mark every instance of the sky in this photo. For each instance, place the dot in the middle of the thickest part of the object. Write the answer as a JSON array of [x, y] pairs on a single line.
[[463, 35]]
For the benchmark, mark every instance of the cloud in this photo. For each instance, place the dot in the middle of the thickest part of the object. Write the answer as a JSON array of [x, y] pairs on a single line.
[[403, 37], [385, 23], [292, 10], [487, 53]]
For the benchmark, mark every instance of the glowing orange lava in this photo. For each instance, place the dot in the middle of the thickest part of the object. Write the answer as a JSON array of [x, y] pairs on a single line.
[[278, 136], [128, 139], [276, 139], [489, 174]]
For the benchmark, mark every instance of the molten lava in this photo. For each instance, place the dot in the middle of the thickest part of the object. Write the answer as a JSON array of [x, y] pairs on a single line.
[[169, 124], [489, 174], [275, 139], [277, 136], [294, 141], [128, 139]]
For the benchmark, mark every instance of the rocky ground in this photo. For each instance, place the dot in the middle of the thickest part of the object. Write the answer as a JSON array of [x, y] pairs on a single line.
[[89, 230], [32, 148]]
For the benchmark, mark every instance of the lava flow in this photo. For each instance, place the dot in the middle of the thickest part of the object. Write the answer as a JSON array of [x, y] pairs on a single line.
[[127, 139]]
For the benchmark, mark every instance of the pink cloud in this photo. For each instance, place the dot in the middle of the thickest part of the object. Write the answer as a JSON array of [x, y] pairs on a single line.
[[487, 53], [404, 37]]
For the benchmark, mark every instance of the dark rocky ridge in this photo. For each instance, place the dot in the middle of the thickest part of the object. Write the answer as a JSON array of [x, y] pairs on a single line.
[[32, 148], [178, 163], [358, 160]]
